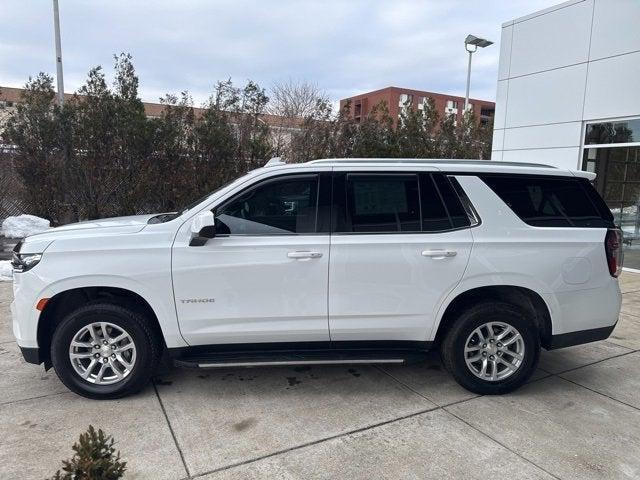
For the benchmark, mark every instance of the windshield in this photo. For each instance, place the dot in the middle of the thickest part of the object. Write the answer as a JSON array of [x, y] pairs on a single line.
[[166, 217]]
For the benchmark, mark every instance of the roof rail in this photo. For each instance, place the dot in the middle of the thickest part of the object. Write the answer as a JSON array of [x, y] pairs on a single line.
[[429, 161], [274, 162]]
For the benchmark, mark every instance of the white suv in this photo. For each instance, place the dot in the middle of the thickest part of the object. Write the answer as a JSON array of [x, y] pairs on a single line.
[[329, 262]]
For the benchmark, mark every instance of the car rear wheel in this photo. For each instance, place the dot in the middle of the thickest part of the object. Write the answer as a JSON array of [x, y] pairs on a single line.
[[104, 350], [492, 348]]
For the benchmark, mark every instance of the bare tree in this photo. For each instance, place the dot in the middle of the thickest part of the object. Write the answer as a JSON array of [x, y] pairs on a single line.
[[293, 99], [291, 102]]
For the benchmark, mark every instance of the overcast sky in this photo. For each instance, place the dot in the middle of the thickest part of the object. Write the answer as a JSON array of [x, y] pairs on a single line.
[[343, 46]]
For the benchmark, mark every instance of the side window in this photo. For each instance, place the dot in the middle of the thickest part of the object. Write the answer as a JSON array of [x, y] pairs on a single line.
[[551, 201], [459, 217], [434, 214], [382, 203], [280, 206], [396, 202]]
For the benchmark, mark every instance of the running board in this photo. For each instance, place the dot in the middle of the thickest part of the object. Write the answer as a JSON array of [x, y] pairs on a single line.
[[281, 359], [284, 363]]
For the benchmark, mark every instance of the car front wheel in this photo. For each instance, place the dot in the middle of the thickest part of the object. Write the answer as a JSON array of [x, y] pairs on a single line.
[[104, 350]]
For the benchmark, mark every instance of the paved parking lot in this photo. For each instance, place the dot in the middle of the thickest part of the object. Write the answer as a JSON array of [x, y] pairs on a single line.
[[578, 418]]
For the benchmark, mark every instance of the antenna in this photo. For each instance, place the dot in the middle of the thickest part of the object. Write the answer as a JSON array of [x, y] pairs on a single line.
[[274, 162]]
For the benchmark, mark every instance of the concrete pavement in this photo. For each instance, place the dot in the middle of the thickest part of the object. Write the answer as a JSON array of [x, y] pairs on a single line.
[[579, 417]]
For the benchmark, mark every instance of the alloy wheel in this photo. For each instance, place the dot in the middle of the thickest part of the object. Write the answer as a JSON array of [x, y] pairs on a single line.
[[494, 351], [102, 353]]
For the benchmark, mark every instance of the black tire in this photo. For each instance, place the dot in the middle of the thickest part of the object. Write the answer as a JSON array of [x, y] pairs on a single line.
[[452, 347], [147, 344]]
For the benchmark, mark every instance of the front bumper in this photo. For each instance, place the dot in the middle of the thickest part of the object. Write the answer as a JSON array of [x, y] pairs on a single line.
[[28, 288], [31, 355]]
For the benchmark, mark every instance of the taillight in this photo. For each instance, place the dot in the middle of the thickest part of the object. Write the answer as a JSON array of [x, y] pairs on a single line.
[[613, 248]]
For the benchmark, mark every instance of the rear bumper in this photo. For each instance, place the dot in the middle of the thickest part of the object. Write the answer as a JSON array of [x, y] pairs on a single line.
[[578, 338], [582, 316]]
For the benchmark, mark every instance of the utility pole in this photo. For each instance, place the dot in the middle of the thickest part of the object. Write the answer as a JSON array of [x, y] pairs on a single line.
[[56, 26]]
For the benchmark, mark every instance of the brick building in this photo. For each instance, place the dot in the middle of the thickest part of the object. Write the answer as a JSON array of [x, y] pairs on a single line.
[[398, 98]]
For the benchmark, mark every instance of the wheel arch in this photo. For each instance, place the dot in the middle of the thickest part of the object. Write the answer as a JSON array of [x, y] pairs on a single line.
[[65, 302], [520, 296]]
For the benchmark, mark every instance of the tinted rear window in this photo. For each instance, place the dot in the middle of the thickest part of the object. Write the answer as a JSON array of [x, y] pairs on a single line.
[[383, 203], [386, 202], [552, 201]]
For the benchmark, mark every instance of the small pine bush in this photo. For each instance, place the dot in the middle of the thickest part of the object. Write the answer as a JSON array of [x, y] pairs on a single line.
[[94, 459]]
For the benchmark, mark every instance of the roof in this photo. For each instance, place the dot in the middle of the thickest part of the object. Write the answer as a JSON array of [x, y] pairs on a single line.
[[421, 93], [444, 165]]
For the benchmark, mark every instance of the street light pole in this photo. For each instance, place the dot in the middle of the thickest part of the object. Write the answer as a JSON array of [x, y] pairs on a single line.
[[471, 44], [56, 26], [466, 96]]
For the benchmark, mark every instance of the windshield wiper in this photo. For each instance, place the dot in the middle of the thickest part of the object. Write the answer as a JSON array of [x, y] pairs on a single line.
[[163, 217]]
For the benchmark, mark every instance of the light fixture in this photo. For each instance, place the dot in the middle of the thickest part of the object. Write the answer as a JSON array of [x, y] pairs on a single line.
[[477, 41]]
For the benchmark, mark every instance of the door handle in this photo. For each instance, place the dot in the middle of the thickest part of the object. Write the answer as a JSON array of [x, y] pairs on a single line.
[[304, 254], [439, 253]]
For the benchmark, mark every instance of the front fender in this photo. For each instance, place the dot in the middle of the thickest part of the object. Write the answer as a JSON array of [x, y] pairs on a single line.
[[162, 305]]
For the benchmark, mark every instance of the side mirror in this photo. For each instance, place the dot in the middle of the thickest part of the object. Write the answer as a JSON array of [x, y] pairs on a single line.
[[203, 228]]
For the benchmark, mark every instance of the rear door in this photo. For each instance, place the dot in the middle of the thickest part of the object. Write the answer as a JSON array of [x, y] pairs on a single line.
[[400, 242]]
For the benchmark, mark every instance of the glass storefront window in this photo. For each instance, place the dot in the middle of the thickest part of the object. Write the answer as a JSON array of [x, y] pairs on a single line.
[[627, 131], [618, 181]]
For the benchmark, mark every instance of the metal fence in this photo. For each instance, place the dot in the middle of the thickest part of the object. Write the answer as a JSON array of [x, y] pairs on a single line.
[[10, 186]]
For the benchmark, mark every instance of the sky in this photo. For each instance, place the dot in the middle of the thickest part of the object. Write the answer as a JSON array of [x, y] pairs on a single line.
[[344, 47]]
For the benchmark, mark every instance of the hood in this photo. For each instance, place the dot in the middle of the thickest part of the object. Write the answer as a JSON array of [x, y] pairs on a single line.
[[101, 227], [134, 223]]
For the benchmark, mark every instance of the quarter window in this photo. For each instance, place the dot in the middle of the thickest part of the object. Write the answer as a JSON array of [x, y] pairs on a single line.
[[552, 201], [275, 207]]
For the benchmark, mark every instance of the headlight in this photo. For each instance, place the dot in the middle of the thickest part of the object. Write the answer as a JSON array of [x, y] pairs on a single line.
[[21, 262]]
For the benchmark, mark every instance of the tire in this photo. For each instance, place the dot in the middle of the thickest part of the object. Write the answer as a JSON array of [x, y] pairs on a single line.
[[144, 355], [464, 332]]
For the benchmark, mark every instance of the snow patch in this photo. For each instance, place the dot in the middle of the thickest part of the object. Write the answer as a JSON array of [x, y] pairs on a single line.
[[6, 271], [23, 226]]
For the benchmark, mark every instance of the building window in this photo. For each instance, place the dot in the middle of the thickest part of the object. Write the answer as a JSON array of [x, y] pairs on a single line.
[[405, 100], [613, 132], [357, 109], [452, 104], [487, 112], [618, 176], [423, 102]]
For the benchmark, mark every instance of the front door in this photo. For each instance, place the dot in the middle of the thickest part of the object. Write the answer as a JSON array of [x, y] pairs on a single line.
[[263, 277], [396, 252]]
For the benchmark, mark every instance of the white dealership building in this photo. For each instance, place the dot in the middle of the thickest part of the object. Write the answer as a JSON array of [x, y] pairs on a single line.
[[569, 95]]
